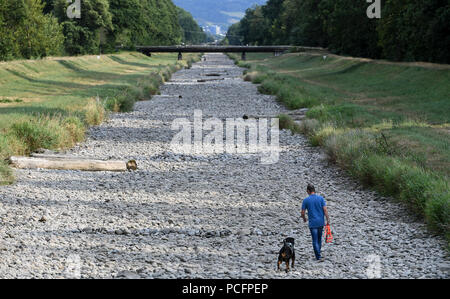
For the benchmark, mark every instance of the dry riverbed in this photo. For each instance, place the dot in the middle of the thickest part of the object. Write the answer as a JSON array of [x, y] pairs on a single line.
[[202, 216]]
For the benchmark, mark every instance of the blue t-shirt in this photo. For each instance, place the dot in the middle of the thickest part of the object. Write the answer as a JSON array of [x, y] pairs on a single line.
[[314, 205]]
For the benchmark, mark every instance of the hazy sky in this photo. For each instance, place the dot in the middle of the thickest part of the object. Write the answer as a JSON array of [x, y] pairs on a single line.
[[217, 12]]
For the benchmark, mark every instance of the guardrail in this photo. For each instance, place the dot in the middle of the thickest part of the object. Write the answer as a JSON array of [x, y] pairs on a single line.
[[147, 50]]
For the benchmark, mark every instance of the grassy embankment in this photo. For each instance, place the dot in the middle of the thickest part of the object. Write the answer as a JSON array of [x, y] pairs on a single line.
[[50, 103], [386, 123]]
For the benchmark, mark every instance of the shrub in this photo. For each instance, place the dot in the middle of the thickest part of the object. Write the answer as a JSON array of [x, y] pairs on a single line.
[[269, 86], [287, 123], [35, 135], [344, 147], [6, 174], [135, 92], [309, 127], [294, 97], [166, 73], [437, 210], [243, 64], [120, 103], [423, 192], [5, 149], [297, 100], [320, 112], [150, 89], [151, 86], [74, 131], [320, 135], [125, 99], [258, 78], [251, 76], [94, 113]]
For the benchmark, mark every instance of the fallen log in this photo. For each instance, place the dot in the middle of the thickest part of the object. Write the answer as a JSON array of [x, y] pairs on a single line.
[[213, 75], [169, 96], [208, 80], [70, 163], [55, 156]]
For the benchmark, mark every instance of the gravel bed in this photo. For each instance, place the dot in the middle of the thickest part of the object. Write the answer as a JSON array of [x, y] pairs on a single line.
[[202, 216]]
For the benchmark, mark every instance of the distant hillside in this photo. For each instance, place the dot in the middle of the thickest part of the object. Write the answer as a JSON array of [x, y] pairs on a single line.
[[221, 13]]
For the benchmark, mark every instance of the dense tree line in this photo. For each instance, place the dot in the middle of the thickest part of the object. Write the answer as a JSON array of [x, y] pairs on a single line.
[[39, 28], [26, 32], [408, 30], [192, 33]]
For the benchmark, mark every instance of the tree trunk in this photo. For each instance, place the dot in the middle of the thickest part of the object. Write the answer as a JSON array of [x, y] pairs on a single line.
[[71, 163]]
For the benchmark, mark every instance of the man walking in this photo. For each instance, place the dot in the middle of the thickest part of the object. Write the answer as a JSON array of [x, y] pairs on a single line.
[[317, 209]]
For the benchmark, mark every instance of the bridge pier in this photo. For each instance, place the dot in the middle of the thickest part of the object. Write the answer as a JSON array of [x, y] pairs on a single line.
[[244, 56], [180, 56]]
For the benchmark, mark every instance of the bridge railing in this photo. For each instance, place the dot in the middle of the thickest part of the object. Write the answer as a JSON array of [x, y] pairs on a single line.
[[147, 50]]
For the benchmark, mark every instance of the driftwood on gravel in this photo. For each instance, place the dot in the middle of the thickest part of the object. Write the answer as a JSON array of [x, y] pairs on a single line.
[[208, 80], [71, 163], [213, 75], [56, 156]]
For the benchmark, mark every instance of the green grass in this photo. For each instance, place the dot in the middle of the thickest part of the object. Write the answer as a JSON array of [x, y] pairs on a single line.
[[50, 103], [386, 123], [6, 174], [287, 123]]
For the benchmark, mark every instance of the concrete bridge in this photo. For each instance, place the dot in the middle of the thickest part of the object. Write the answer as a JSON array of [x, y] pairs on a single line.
[[277, 50]]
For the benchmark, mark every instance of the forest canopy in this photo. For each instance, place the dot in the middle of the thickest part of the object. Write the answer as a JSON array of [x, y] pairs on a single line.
[[39, 28], [192, 33], [408, 30]]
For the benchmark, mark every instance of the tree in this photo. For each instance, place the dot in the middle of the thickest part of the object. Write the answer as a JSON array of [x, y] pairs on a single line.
[[37, 28], [162, 23], [349, 30], [304, 23], [128, 22], [272, 12], [234, 35], [254, 27], [8, 46], [192, 33], [26, 32], [49, 6], [144, 22], [85, 35], [415, 30]]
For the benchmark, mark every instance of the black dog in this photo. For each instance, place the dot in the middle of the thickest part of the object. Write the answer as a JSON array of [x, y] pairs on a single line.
[[287, 253]]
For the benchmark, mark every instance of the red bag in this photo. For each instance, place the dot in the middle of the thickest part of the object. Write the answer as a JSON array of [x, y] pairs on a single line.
[[328, 235]]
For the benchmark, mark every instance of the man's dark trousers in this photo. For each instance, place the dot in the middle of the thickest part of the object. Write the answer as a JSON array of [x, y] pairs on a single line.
[[316, 233]]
